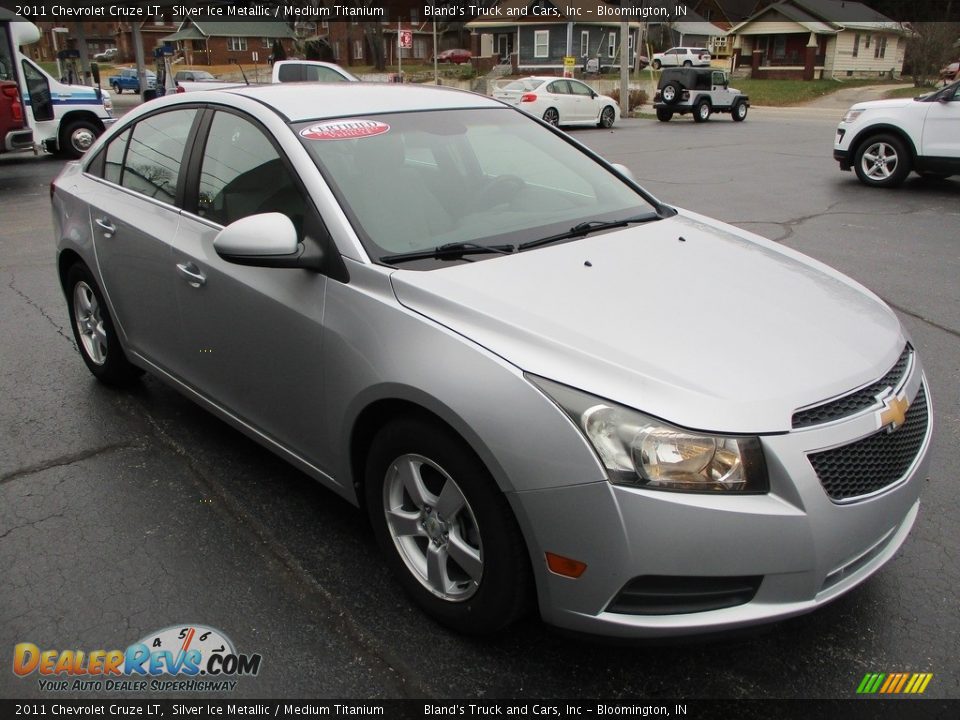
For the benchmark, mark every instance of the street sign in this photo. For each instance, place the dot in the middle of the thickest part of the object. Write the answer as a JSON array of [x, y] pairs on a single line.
[[569, 63], [406, 39]]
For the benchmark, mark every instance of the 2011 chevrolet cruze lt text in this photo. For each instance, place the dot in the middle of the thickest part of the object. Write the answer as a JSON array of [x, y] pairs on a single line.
[[542, 384]]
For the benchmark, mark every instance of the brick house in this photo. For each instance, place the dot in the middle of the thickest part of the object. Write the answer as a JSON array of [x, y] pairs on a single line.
[[207, 42]]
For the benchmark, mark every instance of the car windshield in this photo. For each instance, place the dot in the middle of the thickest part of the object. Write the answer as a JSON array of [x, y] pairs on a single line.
[[418, 180]]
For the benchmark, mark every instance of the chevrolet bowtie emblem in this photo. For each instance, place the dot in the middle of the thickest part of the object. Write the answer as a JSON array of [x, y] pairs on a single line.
[[894, 412]]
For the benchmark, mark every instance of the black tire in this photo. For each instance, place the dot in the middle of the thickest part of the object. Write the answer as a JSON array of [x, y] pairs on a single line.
[[739, 112], [687, 63], [882, 161], [76, 137], [505, 589], [657, 65], [551, 116], [701, 111], [113, 368], [116, 88], [664, 115], [671, 92], [607, 117]]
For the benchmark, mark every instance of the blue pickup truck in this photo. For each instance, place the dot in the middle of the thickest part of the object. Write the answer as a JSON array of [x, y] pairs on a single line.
[[127, 80]]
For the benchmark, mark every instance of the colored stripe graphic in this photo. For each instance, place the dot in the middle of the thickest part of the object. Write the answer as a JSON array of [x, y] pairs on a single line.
[[894, 683]]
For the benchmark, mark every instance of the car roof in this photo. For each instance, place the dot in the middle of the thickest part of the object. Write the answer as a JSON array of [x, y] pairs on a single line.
[[309, 101]]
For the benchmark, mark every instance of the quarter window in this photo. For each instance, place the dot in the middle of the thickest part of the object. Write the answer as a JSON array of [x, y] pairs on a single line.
[[153, 160], [242, 174]]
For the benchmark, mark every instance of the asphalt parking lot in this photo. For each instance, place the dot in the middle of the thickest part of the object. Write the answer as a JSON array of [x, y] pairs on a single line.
[[124, 513]]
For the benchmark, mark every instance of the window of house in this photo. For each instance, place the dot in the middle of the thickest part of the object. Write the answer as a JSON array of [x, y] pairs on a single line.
[[867, 43], [612, 44], [155, 152], [325, 24], [584, 43], [266, 42], [358, 49], [541, 43], [336, 50], [242, 174], [881, 48], [236, 43], [856, 45], [780, 46]]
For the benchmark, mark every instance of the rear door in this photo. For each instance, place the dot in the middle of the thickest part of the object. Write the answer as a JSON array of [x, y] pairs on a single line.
[[563, 100], [134, 215]]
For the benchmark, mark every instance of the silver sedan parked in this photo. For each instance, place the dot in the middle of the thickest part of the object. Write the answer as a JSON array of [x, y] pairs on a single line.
[[541, 383]]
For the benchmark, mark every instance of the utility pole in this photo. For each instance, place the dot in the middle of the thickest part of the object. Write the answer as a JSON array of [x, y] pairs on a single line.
[[624, 69], [138, 54]]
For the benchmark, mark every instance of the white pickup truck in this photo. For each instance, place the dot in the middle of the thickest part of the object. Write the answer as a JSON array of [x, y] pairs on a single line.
[[283, 71]]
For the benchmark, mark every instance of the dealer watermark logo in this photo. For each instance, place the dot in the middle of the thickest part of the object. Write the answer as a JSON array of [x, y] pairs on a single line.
[[178, 658], [894, 683]]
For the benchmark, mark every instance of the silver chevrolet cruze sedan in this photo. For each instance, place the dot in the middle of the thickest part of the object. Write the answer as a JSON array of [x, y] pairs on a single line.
[[541, 383]]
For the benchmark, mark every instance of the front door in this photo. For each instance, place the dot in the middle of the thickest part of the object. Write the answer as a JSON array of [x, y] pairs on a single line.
[[941, 129], [252, 336]]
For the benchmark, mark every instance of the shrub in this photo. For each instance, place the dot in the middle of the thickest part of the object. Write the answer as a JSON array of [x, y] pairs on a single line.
[[637, 98]]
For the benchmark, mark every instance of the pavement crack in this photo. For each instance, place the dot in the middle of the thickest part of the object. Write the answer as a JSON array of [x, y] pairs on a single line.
[[31, 524], [923, 318], [46, 316], [63, 461]]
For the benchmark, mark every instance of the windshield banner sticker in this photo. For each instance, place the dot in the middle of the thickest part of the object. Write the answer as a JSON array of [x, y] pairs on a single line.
[[344, 130]]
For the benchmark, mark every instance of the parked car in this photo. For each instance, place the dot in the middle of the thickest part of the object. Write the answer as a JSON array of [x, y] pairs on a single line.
[[457, 55], [284, 71], [700, 91], [14, 132], [682, 57], [126, 79], [560, 101], [108, 55], [950, 72], [883, 140], [538, 380], [194, 76]]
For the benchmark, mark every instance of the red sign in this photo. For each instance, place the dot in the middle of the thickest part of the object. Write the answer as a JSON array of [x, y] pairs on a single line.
[[406, 39], [344, 130]]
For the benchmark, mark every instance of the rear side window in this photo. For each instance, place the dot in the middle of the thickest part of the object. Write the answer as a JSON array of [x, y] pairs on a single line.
[[155, 154], [242, 174], [113, 165], [319, 73], [290, 73]]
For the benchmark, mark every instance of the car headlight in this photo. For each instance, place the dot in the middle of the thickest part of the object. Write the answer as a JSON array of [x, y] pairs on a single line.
[[642, 451], [852, 115]]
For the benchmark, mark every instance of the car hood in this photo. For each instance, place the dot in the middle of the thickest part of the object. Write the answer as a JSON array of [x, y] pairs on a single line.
[[892, 104], [688, 319]]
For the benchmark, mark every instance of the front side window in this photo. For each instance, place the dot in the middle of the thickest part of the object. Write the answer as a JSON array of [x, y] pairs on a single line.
[[578, 88], [113, 163], [242, 174], [413, 181], [541, 43], [319, 73], [155, 154]]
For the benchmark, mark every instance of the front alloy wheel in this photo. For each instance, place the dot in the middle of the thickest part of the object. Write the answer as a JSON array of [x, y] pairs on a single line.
[[444, 526], [607, 117], [882, 161]]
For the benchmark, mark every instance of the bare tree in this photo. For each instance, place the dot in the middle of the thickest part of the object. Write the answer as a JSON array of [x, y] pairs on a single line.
[[930, 46]]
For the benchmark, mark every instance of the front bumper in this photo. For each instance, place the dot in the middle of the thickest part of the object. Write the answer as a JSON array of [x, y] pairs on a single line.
[[843, 157], [807, 549]]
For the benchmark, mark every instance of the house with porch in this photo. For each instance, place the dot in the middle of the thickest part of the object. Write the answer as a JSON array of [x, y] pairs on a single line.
[[522, 36], [210, 42], [812, 39]]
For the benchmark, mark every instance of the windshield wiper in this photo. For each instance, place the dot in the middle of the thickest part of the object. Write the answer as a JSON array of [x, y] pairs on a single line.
[[450, 250], [585, 228]]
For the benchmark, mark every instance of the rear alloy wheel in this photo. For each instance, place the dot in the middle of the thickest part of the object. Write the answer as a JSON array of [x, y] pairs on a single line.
[[739, 112], [607, 117], [882, 161], [664, 115], [445, 528], [671, 93], [701, 113], [551, 116], [94, 332]]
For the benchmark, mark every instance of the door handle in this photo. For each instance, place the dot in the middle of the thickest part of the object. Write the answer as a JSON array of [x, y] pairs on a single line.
[[108, 227], [192, 273]]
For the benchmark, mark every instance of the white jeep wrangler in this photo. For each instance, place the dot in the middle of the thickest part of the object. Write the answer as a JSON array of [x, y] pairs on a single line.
[[701, 91]]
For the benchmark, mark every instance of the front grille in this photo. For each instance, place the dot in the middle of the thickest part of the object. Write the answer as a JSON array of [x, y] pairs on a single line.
[[875, 462], [682, 594], [856, 401]]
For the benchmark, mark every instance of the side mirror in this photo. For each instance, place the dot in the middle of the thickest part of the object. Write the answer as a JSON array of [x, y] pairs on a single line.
[[624, 170], [266, 240]]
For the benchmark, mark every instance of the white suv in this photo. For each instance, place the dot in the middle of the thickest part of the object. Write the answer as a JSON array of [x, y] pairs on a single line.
[[682, 57], [884, 140]]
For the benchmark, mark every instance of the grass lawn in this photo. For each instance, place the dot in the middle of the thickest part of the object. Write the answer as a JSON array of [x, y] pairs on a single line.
[[909, 92], [783, 93]]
